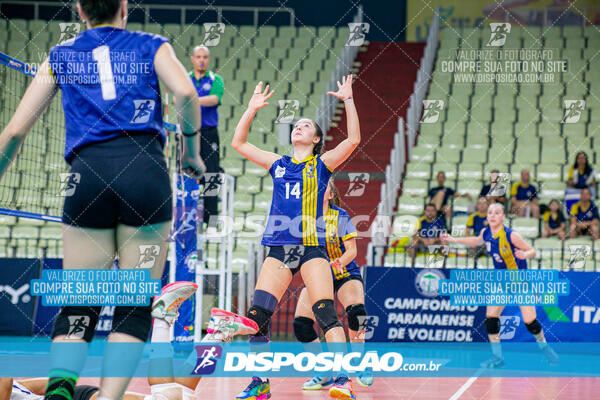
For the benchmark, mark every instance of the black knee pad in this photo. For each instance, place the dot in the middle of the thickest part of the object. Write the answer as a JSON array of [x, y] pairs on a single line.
[[492, 325], [534, 327], [262, 317], [304, 329], [76, 322], [355, 312], [325, 315], [133, 321]]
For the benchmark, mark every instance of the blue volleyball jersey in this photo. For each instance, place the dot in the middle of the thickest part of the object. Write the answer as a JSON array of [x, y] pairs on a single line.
[[109, 85], [339, 227], [477, 222], [296, 215], [502, 249]]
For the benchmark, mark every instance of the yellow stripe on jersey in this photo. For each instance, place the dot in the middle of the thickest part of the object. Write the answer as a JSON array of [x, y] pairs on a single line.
[[505, 251], [334, 249], [309, 203]]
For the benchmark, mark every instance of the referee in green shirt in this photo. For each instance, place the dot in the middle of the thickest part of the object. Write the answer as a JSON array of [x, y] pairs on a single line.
[[210, 87]]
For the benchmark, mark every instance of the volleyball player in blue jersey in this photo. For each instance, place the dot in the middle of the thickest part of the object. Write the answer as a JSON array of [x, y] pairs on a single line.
[[114, 145], [347, 285], [508, 251], [295, 231]]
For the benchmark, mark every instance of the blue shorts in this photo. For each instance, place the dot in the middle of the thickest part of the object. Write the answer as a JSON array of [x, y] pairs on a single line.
[[121, 181], [295, 255], [338, 283]]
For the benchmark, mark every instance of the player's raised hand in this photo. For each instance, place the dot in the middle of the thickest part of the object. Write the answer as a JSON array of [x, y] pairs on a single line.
[[259, 97], [344, 91]]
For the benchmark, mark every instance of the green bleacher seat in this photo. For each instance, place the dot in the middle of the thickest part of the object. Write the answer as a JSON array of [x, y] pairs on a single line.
[[469, 186], [422, 155], [418, 171], [410, 205], [449, 169], [552, 190], [527, 227], [416, 187], [447, 155], [459, 225], [470, 171], [551, 172], [461, 204]]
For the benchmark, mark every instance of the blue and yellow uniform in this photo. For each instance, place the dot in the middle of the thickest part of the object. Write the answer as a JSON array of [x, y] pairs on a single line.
[[109, 86], [477, 222], [502, 250], [581, 179], [431, 229], [584, 215], [296, 216], [521, 192], [339, 228], [553, 223], [114, 128]]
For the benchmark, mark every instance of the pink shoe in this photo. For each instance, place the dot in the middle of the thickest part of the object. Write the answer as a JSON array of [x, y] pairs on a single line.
[[166, 305], [224, 325]]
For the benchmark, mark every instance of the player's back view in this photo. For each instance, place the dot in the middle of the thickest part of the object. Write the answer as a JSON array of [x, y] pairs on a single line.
[[121, 197]]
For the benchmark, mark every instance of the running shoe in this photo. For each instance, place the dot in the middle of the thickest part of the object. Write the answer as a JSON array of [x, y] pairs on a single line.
[[256, 390], [316, 383], [365, 379], [550, 354], [493, 362], [342, 389], [224, 325], [166, 305]]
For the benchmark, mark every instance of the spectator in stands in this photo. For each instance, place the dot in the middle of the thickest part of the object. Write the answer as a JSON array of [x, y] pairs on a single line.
[[495, 192], [554, 221], [523, 196], [476, 222], [584, 217], [581, 174], [429, 228], [440, 194]]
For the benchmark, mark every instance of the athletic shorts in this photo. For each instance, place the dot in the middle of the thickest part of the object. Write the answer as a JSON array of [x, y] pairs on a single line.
[[84, 392], [121, 181], [294, 256], [338, 283]]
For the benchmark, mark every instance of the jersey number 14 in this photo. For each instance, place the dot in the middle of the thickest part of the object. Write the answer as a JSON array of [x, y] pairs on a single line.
[[295, 190]]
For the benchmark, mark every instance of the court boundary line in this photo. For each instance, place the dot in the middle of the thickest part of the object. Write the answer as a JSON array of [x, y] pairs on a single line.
[[465, 386]]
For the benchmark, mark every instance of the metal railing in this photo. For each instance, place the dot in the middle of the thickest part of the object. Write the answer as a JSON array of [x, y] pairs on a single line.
[[326, 110], [183, 10], [404, 140], [463, 258]]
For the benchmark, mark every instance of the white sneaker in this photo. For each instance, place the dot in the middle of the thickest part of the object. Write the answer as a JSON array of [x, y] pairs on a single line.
[[224, 325], [166, 305]]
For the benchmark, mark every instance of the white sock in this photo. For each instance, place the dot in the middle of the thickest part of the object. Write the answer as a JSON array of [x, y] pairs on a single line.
[[496, 349], [161, 331]]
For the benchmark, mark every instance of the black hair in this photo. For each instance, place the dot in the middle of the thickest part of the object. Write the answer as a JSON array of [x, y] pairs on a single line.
[[587, 168], [99, 11], [319, 147], [561, 216], [335, 200], [430, 205]]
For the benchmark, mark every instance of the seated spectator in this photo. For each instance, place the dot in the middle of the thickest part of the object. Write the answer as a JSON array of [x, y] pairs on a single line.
[[581, 174], [475, 223], [554, 221], [429, 228], [439, 195], [495, 192], [584, 217], [523, 196]]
